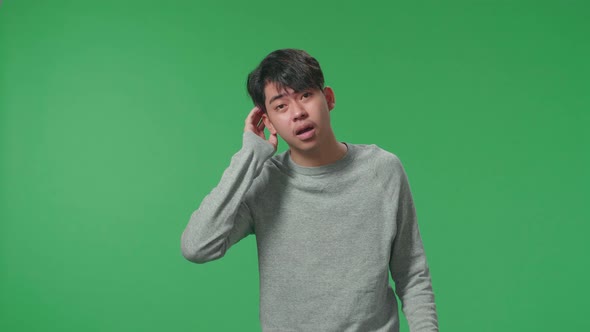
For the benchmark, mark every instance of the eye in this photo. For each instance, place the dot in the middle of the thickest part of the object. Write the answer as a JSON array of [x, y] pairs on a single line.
[[280, 107], [307, 94]]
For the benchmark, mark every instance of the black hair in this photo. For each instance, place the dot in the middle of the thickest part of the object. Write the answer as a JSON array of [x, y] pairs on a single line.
[[288, 67]]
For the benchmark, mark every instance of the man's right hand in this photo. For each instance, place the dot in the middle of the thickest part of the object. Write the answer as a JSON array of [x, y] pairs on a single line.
[[252, 125]]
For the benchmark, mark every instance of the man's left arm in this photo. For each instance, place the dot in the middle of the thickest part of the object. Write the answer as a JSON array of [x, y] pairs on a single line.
[[408, 265]]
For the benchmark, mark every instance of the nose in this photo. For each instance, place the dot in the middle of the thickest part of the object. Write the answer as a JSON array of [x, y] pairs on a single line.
[[299, 112]]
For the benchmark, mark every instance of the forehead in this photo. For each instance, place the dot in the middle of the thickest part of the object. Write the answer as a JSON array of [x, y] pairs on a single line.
[[271, 90]]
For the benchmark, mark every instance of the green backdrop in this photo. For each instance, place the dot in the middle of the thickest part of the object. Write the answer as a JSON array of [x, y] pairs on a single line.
[[118, 117]]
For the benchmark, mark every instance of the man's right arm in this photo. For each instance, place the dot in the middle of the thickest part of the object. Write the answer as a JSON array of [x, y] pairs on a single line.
[[222, 218]]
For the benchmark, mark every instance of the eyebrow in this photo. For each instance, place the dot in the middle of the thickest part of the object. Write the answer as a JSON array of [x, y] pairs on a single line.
[[281, 95], [275, 98]]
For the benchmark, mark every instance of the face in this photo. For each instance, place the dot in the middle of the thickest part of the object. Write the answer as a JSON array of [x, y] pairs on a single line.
[[301, 118]]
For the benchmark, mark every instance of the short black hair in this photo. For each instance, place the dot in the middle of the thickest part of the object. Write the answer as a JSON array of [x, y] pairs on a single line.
[[287, 67]]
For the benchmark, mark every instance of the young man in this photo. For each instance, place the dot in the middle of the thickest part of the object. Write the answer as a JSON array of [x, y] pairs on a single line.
[[331, 219]]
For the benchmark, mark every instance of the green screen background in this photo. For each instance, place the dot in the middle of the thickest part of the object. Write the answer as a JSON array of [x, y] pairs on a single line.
[[118, 117]]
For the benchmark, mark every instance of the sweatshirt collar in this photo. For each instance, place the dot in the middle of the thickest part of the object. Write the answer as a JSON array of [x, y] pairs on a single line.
[[318, 170]]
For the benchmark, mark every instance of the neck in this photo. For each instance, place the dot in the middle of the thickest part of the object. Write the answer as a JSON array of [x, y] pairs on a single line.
[[327, 153]]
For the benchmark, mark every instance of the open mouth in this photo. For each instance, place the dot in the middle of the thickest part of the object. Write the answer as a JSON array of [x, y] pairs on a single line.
[[304, 130], [306, 133]]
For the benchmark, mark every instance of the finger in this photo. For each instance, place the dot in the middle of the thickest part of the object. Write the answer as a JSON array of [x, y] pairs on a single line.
[[273, 140], [258, 121], [260, 125], [253, 116]]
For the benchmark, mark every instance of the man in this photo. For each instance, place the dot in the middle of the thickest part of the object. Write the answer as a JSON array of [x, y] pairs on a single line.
[[331, 219]]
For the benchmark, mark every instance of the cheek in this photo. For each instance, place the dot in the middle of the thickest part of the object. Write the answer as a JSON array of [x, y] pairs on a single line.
[[283, 130], [280, 124]]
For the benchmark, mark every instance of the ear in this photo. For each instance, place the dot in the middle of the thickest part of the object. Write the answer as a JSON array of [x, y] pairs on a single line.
[[268, 124], [330, 97]]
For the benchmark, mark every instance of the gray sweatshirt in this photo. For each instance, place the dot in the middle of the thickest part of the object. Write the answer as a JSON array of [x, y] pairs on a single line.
[[327, 238]]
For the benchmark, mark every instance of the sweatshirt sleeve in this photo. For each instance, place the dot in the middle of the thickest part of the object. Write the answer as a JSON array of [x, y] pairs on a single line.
[[223, 218], [408, 265]]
